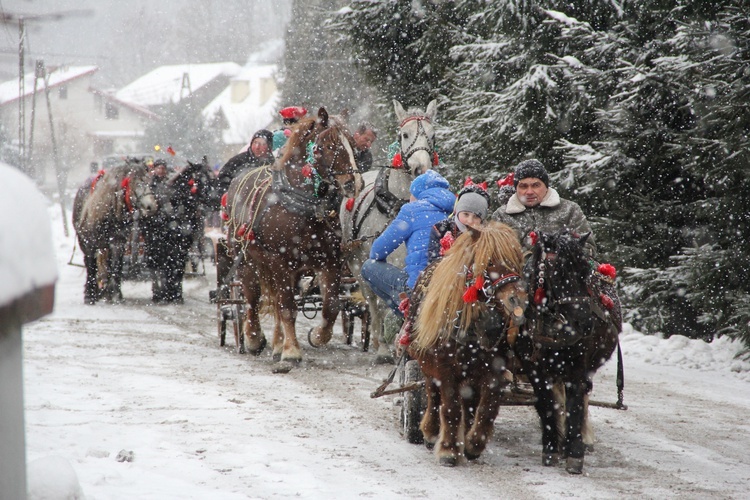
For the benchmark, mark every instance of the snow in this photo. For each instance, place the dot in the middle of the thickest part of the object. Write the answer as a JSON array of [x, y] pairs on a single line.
[[27, 258], [201, 421]]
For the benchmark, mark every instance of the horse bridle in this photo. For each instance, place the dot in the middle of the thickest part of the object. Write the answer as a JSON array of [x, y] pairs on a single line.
[[330, 178], [405, 155]]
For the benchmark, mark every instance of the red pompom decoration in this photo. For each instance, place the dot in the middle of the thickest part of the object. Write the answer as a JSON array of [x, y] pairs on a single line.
[[224, 200], [607, 301], [307, 170], [396, 161], [250, 236], [241, 230], [471, 295], [349, 204], [534, 238], [404, 307], [506, 181], [539, 296], [435, 159], [470, 182], [194, 190], [224, 216], [607, 270]]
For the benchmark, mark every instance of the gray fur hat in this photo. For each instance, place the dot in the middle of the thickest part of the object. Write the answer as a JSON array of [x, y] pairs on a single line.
[[530, 168], [474, 203]]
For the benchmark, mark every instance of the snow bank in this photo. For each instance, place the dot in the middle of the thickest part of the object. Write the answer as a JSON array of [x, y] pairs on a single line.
[[27, 257]]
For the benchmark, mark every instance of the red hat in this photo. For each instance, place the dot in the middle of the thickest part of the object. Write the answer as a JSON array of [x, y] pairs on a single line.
[[293, 112]]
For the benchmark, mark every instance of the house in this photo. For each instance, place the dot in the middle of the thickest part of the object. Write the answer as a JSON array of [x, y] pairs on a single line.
[[174, 83], [88, 123], [249, 103]]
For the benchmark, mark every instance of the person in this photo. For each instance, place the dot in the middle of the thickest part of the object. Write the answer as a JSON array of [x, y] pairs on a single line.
[[470, 210], [289, 116], [257, 155], [535, 206], [431, 201], [364, 137]]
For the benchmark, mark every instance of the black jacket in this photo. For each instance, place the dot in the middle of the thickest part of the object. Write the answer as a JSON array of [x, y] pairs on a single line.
[[238, 163]]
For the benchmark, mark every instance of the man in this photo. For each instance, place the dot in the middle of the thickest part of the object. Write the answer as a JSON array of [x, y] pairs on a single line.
[[258, 154], [364, 137], [537, 207]]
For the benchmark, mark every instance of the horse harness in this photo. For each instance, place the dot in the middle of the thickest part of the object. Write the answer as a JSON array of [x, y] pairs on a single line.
[[545, 319], [386, 202], [411, 149]]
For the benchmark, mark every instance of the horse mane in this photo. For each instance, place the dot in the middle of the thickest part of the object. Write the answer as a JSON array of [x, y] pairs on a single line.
[[571, 260], [295, 148], [105, 200], [443, 302]]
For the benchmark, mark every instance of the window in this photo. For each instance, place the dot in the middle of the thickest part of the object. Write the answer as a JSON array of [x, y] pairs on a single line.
[[62, 92], [111, 112]]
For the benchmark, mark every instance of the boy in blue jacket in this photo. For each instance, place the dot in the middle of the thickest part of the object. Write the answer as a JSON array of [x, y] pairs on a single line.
[[431, 202]]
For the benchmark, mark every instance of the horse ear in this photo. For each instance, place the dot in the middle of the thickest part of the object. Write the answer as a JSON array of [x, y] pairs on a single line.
[[345, 114], [323, 117], [432, 110], [399, 109], [582, 239]]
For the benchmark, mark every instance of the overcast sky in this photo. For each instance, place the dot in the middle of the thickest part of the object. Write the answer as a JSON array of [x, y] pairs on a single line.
[[120, 36]]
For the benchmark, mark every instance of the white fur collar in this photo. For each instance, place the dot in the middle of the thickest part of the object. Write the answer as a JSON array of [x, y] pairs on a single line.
[[514, 206]]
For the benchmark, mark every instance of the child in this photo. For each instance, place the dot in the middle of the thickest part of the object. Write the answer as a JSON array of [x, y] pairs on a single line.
[[470, 210]]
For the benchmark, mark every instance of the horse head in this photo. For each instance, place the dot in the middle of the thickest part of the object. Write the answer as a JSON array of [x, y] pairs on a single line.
[[416, 137], [559, 271], [201, 183], [138, 193], [333, 154]]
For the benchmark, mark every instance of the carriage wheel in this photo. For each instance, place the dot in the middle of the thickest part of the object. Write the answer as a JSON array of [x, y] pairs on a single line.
[[347, 325], [366, 331], [413, 406]]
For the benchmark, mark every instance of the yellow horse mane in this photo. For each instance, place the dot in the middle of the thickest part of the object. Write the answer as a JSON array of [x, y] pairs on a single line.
[[443, 303]]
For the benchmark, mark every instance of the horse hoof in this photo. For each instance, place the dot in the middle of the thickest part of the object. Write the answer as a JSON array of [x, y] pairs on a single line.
[[256, 352], [471, 456], [550, 459], [429, 445], [450, 461], [574, 465], [276, 357]]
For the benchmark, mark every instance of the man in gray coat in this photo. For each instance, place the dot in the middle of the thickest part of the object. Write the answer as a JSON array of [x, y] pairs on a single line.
[[537, 207]]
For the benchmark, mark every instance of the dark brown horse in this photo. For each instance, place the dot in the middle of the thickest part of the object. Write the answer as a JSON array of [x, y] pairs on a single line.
[[466, 322], [572, 329], [103, 212], [283, 222]]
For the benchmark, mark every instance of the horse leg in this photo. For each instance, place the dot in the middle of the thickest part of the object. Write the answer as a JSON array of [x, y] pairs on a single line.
[[574, 441], [255, 341], [287, 312], [91, 286], [114, 265], [430, 425], [278, 334], [330, 279], [485, 414], [548, 412], [588, 430], [448, 449]]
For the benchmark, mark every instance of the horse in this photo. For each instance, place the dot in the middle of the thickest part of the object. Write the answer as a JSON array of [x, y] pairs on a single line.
[[283, 222], [104, 209], [462, 338], [385, 191], [169, 234], [573, 325]]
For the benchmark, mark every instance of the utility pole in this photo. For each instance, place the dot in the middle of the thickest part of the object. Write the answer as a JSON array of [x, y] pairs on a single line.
[[61, 175]]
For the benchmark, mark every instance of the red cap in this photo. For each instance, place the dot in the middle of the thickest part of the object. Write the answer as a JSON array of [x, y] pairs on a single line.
[[293, 112]]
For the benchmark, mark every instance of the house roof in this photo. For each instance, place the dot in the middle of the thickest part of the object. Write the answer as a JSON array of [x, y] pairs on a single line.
[[9, 91], [134, 107], [243, 119], [164, 84]]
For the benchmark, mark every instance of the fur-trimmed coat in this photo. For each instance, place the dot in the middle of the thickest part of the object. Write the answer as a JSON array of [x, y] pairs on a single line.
[[552, 214]]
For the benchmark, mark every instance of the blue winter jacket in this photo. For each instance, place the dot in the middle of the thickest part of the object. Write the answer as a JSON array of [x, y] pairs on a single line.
[[413, 225]]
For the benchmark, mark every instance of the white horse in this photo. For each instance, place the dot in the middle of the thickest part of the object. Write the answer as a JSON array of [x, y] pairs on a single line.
[[385, 190]]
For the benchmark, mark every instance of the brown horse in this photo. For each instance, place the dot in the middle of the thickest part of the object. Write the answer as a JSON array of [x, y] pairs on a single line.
[[103, 212], [572, 330], [463, 338], [283, 222]]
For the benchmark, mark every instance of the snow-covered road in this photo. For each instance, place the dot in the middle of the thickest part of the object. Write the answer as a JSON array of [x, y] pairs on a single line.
[[205, 422]]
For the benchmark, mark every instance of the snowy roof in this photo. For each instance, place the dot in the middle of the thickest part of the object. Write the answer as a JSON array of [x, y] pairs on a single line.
[[133, 106], [245, 117], [58, 76], [27, 256], [164, 84]]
